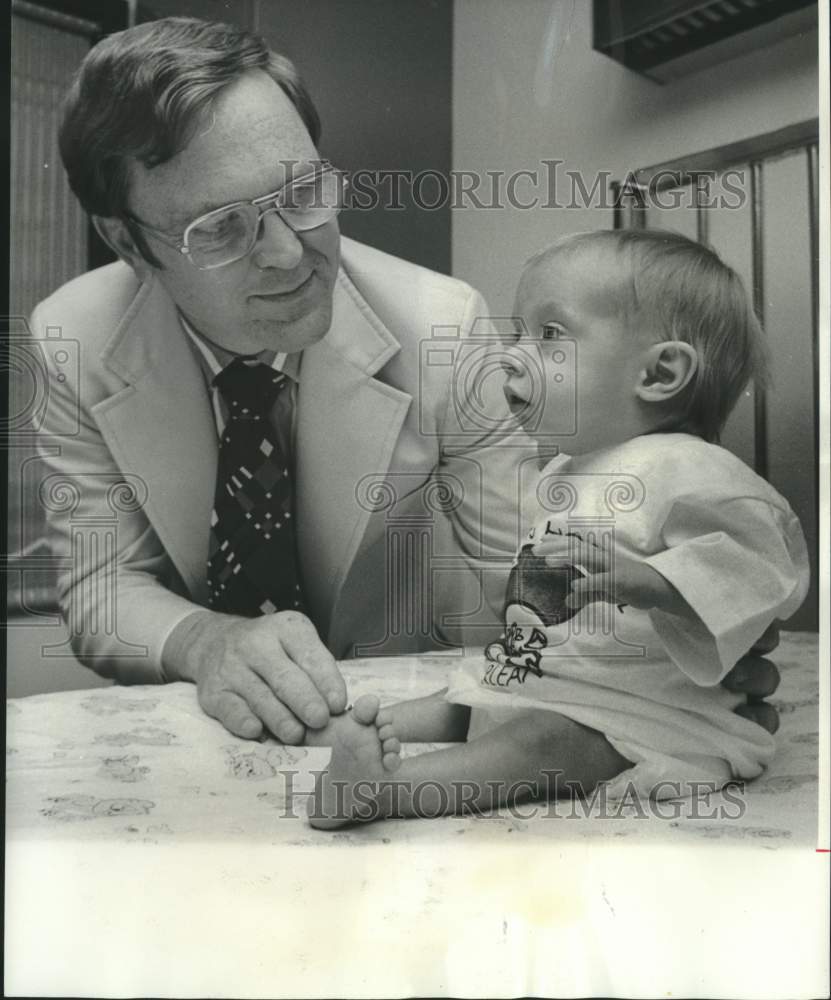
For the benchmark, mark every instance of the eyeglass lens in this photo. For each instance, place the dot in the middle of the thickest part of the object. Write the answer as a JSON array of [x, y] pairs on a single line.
[[227, 235]]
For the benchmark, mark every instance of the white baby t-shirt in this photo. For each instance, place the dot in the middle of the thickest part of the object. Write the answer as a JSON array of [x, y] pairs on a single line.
[[648, 680]]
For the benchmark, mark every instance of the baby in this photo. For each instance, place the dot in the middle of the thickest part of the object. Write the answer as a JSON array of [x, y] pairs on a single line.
[[657, 560]]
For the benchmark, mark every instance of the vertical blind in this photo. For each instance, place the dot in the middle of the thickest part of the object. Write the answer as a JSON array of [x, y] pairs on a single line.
[[48, 246], [48, 228]]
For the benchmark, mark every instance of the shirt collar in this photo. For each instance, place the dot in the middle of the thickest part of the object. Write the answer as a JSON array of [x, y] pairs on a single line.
[[216, 358]]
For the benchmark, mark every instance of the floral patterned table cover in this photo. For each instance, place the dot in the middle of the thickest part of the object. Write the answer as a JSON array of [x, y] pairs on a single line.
[[145, 765]]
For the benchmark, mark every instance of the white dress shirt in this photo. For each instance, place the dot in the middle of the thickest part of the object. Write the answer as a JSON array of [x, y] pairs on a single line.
[[213, 359]]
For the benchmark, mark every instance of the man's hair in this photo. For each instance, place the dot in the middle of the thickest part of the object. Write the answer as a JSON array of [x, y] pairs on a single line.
[[676, 289], [139, 94]]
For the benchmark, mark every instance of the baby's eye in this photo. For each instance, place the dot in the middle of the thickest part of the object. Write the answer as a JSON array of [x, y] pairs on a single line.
[[551, 331]]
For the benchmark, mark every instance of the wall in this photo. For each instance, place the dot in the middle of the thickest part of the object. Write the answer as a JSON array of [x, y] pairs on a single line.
[[527, 86], [380, 76]]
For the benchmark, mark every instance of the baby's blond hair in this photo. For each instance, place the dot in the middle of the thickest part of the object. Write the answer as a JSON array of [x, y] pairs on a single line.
[[677, 289]]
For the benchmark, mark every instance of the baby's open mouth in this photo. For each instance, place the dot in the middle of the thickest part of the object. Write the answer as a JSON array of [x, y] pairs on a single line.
[[516, 404]]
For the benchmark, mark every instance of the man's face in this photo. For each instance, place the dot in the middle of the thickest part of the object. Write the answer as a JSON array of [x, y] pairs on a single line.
[[581, 389], [279, 297]]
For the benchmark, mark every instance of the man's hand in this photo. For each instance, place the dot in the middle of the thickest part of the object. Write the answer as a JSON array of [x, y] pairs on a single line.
[[631, 581], [252, 674], [756, 677]]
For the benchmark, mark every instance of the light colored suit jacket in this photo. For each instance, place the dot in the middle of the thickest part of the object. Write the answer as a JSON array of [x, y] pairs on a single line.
[[406, 500]]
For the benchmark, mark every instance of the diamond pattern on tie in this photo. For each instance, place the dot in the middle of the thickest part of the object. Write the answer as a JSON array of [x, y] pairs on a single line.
[[252, 569]]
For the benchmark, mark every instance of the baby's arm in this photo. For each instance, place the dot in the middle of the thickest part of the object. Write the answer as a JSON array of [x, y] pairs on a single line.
[[728, 569], [617, 578]]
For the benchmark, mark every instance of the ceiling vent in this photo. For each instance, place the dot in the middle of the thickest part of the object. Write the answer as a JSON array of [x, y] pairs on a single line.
[[665, 39]]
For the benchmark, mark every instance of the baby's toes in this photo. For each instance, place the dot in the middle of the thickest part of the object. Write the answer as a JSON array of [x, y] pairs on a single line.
[[391, 760], [391, 745], [384, 717], [386, 732], [365, 709]]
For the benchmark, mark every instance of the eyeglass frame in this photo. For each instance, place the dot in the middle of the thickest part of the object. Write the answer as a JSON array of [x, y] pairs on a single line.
[[181, 244]]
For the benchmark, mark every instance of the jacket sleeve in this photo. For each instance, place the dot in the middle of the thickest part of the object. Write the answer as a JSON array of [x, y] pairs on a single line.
[[117, 589], [490, 468]]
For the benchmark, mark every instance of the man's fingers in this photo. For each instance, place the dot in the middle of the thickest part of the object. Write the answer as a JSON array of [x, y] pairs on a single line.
[[294, 688], [277, 717], [753, 675], [252, 706], [761, 713], [302, 644], [757, 678], [767, 641], [232, 711]]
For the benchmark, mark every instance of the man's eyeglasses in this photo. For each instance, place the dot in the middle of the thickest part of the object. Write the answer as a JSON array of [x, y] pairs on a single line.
[[229, 233]]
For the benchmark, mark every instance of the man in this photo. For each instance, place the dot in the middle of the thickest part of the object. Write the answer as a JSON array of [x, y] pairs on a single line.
[[242, 367]]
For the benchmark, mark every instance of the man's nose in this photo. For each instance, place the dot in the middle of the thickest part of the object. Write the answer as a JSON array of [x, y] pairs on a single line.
[[278, 245]]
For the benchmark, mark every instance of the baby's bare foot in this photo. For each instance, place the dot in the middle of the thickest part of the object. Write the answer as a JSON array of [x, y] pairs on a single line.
[[389, 741], [364, 752]]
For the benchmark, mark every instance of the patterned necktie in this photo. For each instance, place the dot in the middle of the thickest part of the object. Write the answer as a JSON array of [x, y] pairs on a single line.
[[252, 568]]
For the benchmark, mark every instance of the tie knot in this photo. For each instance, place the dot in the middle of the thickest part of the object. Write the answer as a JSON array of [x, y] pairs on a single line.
[[249, 389]]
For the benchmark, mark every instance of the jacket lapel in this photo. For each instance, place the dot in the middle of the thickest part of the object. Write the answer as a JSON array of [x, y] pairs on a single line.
[[348, 426], [160, 428]]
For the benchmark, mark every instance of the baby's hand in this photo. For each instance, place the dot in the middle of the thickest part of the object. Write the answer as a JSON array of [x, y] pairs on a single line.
[[609, 575]]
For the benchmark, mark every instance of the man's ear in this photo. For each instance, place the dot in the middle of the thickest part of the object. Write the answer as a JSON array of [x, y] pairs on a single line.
[[119, 239], [667, 369]]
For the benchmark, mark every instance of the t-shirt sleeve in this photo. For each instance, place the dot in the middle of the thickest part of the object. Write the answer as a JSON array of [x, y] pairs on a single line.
[[740, 564]]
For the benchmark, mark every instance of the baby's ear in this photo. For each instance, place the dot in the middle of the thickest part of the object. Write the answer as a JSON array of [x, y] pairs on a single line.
[[667, 368]]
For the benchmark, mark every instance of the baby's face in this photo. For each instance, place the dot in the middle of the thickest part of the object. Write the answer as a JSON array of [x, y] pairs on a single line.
[[575, 364]]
